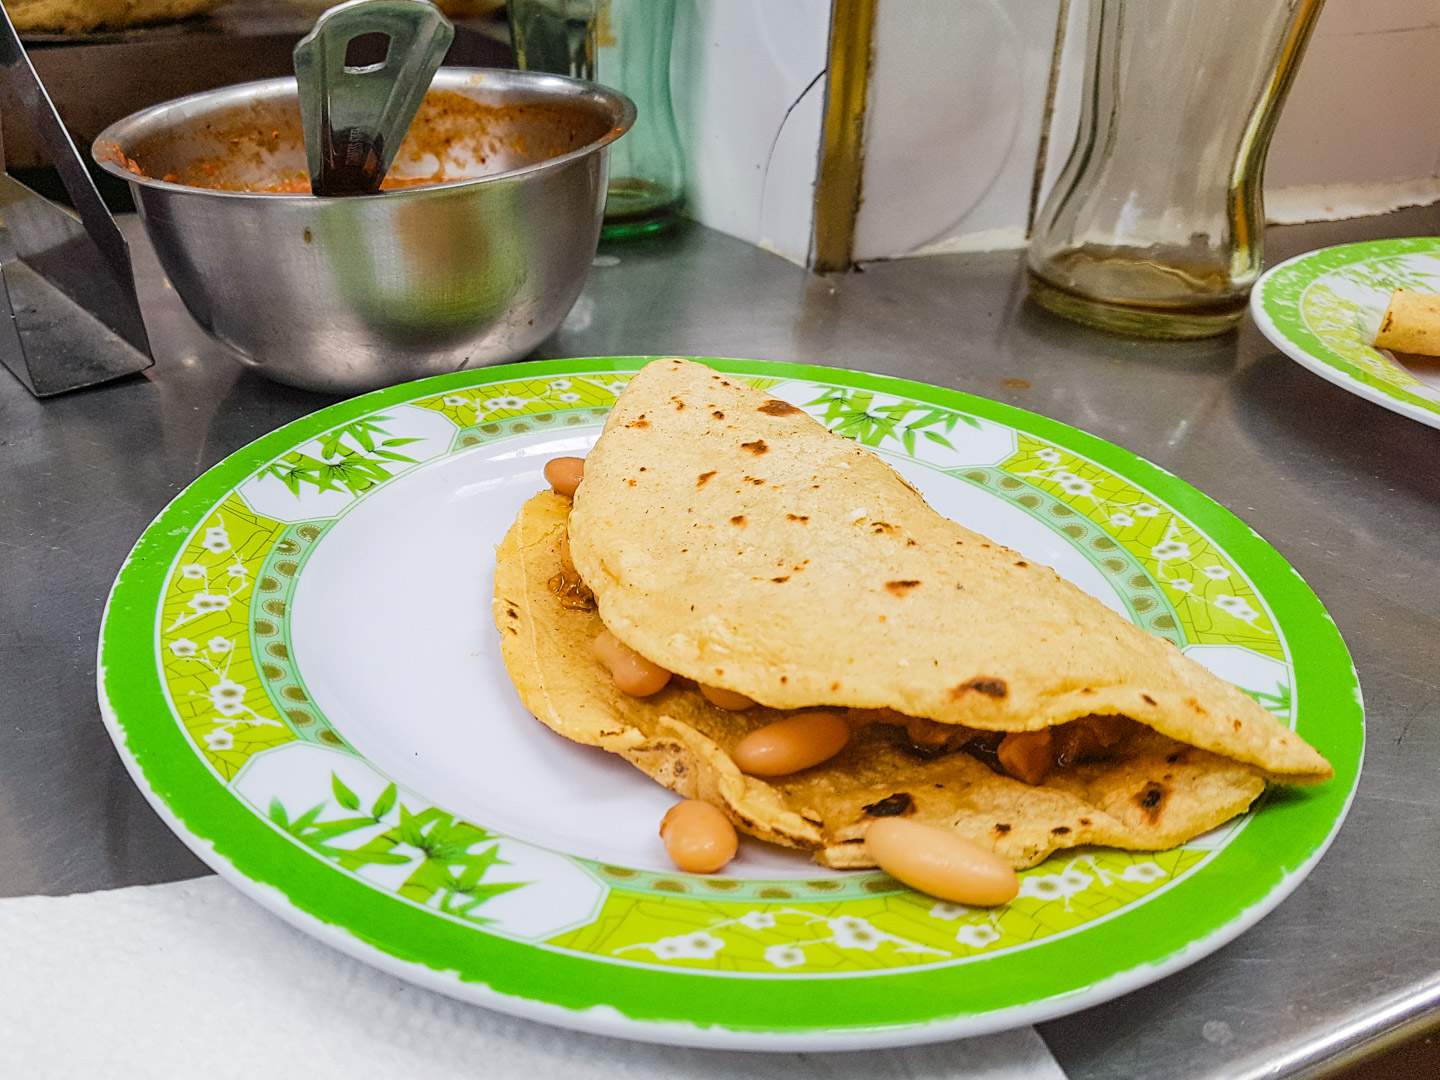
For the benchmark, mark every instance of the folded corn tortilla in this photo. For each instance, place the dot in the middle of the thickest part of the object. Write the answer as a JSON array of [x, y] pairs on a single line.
[[1411, 324], [729, 537]]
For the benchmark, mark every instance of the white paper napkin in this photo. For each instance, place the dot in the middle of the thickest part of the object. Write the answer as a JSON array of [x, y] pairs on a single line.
[[192, 980]]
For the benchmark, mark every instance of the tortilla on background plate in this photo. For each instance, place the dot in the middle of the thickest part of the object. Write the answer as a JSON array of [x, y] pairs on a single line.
[[732, 539], [1411, 324]]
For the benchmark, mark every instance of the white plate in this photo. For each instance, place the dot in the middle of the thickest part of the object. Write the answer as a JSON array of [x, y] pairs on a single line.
[[299, 666]]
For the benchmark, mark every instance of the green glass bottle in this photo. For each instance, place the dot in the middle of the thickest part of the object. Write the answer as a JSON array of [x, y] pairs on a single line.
[[625, 45]]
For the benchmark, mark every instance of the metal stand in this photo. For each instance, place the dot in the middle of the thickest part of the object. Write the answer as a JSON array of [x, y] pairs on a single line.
[[68, 313]]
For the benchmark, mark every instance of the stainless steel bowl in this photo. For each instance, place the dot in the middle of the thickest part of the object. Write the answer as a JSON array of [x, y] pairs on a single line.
[[348, 294]]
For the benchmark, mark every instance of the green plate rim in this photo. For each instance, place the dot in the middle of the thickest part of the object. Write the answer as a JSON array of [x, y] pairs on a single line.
[[909, 1005]]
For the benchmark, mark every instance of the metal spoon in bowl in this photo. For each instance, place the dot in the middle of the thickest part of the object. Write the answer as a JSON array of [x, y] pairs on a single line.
[[354, 117]]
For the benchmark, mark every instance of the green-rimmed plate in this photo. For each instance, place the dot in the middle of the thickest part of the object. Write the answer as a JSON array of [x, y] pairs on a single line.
[[1322, 310], [299, 667]]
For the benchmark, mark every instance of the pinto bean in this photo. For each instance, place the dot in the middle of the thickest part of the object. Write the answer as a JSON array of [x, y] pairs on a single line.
[[726, 699], [792, 744], [565, 473], [632, 673], [940, 863], [698, 837]]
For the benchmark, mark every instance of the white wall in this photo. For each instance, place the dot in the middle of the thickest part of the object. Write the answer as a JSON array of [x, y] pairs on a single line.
[[1361, 131], [747, 80], [953, 121], [956, 111]]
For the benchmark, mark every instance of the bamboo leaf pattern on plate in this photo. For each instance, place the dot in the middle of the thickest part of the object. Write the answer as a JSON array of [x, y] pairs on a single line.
[[1279, 703], [315, 834], [856, 415], [449, 857], [343, 795], [355, 468], [1387, 274]]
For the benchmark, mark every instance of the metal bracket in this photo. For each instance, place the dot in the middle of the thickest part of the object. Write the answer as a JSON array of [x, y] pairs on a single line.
[[69, 316]]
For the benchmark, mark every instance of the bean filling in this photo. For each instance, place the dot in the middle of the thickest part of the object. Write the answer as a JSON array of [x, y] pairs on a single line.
[[939, 863], [792, 744], [698, 837], [564, 474], [726, 699], [632, 673]]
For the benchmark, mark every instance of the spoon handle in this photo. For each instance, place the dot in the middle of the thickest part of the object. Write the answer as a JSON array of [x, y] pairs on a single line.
[[355, 117]]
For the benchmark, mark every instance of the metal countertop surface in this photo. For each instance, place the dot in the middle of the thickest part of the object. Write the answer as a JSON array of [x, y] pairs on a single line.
[[1348, 492]]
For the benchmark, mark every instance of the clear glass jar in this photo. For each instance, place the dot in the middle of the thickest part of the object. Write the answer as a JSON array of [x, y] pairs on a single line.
[[625, 45], [1155, 226]]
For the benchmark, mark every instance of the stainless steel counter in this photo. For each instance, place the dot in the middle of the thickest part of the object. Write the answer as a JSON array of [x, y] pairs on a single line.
[[1347, 491]]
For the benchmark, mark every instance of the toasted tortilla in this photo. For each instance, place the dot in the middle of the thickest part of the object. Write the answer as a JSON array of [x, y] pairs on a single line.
[[732, 539], [1411, 324], [1153, 793]]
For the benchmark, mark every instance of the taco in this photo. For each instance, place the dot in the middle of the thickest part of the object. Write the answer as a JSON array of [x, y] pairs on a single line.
[[728, 537]]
